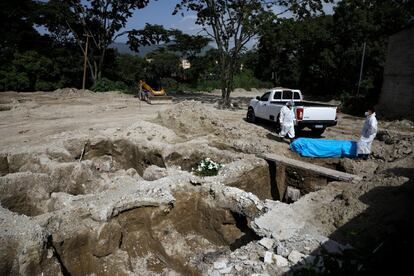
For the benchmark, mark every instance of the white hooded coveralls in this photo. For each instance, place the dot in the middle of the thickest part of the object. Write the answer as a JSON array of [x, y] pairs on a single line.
[[287, 125], [368, 133]]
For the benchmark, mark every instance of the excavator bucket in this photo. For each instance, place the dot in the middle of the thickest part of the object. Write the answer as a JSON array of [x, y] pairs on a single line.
[[151, 96]]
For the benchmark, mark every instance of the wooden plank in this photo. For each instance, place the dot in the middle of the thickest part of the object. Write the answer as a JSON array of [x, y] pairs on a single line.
[[329, 173]]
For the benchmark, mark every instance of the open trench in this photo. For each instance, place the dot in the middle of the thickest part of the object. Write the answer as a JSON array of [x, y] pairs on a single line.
[[169, 237]]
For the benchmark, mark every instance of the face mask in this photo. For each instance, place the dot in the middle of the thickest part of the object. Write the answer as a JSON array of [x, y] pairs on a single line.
[[366, 114]]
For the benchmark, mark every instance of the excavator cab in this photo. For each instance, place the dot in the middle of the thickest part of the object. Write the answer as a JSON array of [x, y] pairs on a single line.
[[151, 96]]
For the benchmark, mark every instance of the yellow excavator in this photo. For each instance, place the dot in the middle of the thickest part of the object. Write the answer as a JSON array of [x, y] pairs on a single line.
[[151, 96]]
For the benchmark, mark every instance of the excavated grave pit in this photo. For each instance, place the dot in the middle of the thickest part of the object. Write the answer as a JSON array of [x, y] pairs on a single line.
[[30, 179], [174, 237]]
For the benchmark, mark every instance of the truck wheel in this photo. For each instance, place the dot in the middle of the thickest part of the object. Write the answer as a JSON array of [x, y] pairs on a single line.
[[318, 131], [251, 117]]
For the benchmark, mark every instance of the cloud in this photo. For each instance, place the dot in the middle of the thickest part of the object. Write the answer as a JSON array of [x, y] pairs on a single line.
[[187, 24]]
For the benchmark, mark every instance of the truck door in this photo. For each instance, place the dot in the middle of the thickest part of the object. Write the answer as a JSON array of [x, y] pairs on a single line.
[[274, 107], [262, 106]]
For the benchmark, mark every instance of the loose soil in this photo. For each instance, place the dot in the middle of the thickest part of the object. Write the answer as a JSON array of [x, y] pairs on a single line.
[[101, 183]]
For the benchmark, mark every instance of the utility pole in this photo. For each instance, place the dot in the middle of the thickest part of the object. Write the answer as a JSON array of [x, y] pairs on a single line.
[[362, 67], [85, 58]]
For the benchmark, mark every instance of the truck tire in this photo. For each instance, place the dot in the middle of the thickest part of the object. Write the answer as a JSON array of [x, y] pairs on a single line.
[[250, 116], [318, 131]]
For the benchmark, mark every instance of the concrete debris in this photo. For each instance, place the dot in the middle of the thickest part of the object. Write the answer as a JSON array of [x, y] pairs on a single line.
[[220, 264], [282, 250], [292, 194], [226, 270], [280, 261], [333, 247], [296, 257], [266, 243], [268, 257]]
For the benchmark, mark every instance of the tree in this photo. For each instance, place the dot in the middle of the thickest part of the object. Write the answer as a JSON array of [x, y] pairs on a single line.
[[189, 46], [322, 54], [162, 64], [101, 21], [233, 23], [371, 21]]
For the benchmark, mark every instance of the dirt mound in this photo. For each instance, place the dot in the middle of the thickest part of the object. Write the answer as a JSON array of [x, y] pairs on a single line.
[[73, 92], [189, 116]]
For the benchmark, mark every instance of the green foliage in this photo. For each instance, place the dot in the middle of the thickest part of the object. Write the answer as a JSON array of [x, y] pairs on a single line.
[[245, 79], [127, 69], [234, 23], [28, 70], [188, 45], [104, 85], [162, 64], [169, 84], [322, 54], [101, 21]]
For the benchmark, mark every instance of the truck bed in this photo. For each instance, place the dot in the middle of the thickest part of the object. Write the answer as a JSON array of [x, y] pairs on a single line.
[[305, 104]]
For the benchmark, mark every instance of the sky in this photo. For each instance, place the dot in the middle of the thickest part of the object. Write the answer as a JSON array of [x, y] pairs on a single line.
[[160, 12]]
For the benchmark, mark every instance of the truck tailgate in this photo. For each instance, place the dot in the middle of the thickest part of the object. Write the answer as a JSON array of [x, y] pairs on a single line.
[[319, 113]]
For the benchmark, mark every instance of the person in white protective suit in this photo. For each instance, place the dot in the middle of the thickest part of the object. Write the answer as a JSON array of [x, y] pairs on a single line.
[[287, 121], [368, 133]]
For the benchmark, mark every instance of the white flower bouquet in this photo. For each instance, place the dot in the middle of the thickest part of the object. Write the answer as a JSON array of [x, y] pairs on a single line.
[[208, 167]]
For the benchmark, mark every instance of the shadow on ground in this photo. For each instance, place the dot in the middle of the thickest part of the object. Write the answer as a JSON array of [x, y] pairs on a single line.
[[381, 236]]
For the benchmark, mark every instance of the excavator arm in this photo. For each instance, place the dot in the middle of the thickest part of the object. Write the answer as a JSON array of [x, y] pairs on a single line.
[[151, 96], [148, 88]]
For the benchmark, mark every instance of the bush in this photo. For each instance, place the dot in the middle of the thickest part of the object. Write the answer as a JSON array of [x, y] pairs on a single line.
[[208, 85], [246, 80], [104, 85], [169, 84], [355, 105]]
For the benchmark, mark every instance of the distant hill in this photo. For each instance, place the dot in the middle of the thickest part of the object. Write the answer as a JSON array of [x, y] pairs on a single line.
[[123, 48]]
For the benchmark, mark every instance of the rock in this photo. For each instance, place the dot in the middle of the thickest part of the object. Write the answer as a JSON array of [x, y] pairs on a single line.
[[295, 257], [282, 251], [103, 164], [226, 270], [238, 268], [107, 240], [333, 247], [220, 264], [154, 172], [214, 273], [266, 243], [131, 172], [268, 257], [280, 261], [292, 194]]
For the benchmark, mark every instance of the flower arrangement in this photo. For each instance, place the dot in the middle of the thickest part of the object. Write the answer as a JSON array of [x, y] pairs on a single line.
[[208, 167]]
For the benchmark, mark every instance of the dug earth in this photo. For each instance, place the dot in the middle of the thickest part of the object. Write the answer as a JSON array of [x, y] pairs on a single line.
[[103, 184]]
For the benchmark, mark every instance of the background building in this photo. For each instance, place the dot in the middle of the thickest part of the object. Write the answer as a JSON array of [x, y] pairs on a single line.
[[397, 95]]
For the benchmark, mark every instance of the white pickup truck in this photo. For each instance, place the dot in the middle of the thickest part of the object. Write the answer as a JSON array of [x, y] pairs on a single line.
[[315, 116]]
